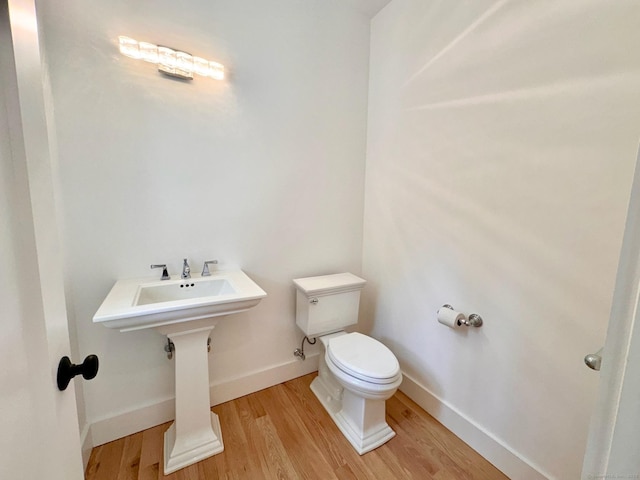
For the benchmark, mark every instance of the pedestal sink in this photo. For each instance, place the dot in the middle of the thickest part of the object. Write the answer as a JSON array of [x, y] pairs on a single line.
[[185, 310]]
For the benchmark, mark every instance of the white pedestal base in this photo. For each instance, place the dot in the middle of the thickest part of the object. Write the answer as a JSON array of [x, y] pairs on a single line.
[[195, 434], [177, 455], [362, 421]]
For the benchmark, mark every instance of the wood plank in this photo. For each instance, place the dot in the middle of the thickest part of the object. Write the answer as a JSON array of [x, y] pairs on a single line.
[[130, 461], [335, 448], [384, 466], [453, 454], [187, 473], [105, 464], [274, 459], [236, 460], [256, 446], [208, 470], [409, 447], [305, 455], [413, 462], [151, 452]]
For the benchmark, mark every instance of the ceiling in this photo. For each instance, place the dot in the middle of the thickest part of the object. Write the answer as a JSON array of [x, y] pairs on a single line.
[[369, 7]]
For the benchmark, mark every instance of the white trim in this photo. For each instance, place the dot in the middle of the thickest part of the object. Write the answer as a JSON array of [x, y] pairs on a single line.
[[86, 444], [120, 425], [486, 444], [611, 449]]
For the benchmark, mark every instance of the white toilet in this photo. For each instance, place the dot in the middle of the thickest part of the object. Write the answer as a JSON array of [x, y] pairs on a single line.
[[356, 373]]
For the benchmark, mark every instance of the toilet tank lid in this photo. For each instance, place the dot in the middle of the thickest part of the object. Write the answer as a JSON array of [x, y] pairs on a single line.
[[325, 284]]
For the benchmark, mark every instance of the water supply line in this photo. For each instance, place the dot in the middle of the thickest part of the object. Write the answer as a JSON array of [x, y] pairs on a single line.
[[170, 347], [299, 352]]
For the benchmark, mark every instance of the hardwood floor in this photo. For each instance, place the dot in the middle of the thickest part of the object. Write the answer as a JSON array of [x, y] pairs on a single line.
[[284, 433]]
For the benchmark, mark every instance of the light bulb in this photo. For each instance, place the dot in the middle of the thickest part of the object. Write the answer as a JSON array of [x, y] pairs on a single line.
[[148, 52], [129, 47], [216, 70], [167, 60], [201, 66], [184, 65]]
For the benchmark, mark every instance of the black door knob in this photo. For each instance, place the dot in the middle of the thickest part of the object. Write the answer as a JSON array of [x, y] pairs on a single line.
[[67, 370]]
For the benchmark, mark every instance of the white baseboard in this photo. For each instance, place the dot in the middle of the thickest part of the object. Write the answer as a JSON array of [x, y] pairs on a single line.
[[495, 451], [117, 426]]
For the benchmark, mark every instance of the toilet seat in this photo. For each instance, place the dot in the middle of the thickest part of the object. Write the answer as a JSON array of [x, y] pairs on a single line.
[[363, 358]]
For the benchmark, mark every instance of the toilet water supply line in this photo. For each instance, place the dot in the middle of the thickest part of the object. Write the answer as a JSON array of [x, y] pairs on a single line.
[[299, 352]]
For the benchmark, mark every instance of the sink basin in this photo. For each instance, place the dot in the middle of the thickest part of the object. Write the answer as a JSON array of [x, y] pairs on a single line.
[[186, 311], [135, 304], [187, 290]]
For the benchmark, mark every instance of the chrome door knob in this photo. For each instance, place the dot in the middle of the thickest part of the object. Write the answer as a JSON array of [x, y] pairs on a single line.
[[594, 360]]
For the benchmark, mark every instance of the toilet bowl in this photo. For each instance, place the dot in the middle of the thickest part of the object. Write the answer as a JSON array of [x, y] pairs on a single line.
[[356, 373], [363, 365]]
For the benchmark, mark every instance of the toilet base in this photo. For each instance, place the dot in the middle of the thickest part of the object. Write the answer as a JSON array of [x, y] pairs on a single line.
[[361, 421]]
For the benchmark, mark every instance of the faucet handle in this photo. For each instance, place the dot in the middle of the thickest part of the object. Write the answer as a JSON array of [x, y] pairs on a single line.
[[165, 274], [205, 268]]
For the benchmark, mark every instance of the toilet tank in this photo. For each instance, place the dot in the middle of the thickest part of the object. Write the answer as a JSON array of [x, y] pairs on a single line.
[[327, 303]]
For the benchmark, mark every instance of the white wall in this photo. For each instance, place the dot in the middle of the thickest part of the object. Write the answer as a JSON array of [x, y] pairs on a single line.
[[501, 143], [264, 170]]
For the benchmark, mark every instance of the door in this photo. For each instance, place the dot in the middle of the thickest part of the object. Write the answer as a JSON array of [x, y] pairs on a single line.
[[614, 434], [38, 424]]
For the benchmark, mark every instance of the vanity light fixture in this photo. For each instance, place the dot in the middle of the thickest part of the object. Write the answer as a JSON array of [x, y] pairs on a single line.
[[170, 61]]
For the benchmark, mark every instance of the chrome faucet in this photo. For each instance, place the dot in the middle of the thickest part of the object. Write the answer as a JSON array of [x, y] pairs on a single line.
[[186, 270], [205, 268], [165, 274]]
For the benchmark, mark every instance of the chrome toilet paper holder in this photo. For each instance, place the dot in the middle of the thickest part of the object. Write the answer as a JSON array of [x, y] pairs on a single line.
[[474, 319]]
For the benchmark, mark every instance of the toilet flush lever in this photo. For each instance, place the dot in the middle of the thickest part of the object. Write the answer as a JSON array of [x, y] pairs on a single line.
[[313, 301]]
